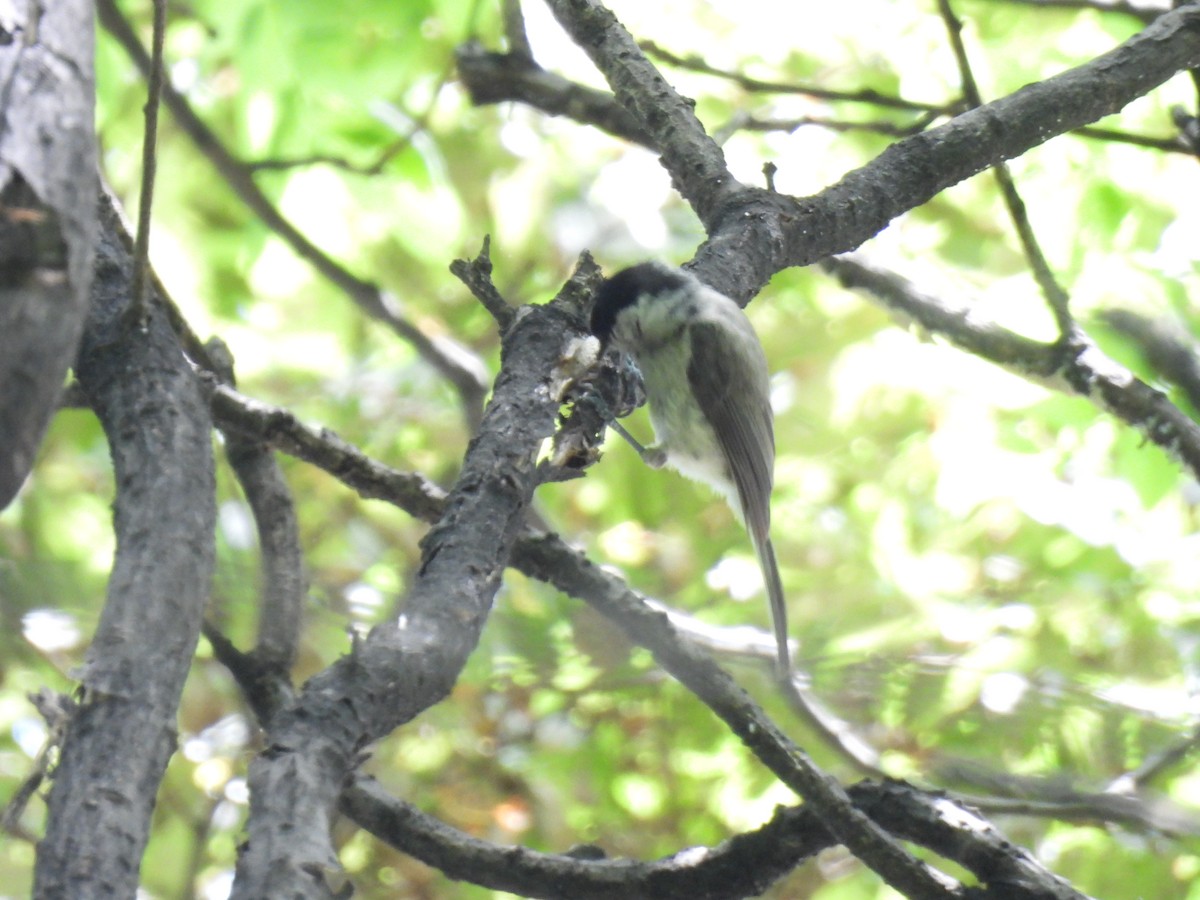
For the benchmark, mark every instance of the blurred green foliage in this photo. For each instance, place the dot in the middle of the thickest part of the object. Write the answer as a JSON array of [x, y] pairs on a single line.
[[982, 575]]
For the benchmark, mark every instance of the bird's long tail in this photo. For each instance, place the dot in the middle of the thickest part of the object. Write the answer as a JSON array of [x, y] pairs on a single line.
[[770, 570]]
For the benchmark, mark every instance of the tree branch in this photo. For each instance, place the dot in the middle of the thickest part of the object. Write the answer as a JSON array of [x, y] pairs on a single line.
[[757, 85], [154, 82], [754, 233], [745, 865], [1165, 346], [1166, 145], [284, 585], [916, 169], [155, 415], [499, 77], [548, 559], [1056, 297], [314, 743], [1081, 369], [476, 274], [696, 163], [323, 448]]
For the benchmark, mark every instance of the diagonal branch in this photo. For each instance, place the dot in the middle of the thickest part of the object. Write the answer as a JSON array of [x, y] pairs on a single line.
[[1082, 370], [1056, 296], [754, 233], [543, 558], [694, 160], [402, 667], [912, 171], [323, 448]]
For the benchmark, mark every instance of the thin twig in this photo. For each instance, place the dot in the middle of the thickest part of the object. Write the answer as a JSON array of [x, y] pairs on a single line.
[[1131, 812], [891, 129], [419, 123], [514, 30], [141, 251], [476, 274], [1122, 802], [756, 85], [283, 164], [1157, 763], [113, 214], [1167, 145], [1055, 296], [57, 711]]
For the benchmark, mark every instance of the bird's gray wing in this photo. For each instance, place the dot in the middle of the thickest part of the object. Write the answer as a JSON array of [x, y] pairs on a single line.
[[739, 412], [740, 415]]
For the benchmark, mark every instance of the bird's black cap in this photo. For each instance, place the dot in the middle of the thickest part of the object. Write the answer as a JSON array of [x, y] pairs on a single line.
[[623, 290]]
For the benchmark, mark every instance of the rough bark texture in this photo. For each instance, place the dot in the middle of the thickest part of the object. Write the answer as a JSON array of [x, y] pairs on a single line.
[[746, 865], [405, 666], [47, 216], [754, 233], [156, 417]]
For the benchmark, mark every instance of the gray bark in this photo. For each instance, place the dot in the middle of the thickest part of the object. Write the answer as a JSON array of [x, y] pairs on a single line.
[[155, 413], [47, 215]]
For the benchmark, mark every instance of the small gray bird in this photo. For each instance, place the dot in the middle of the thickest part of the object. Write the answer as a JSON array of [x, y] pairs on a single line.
[[708, 388]]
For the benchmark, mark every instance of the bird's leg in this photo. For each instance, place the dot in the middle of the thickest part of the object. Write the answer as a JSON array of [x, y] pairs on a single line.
[[654, 457]]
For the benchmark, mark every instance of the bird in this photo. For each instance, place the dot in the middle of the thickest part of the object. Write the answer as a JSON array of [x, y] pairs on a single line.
[[708, 388]]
